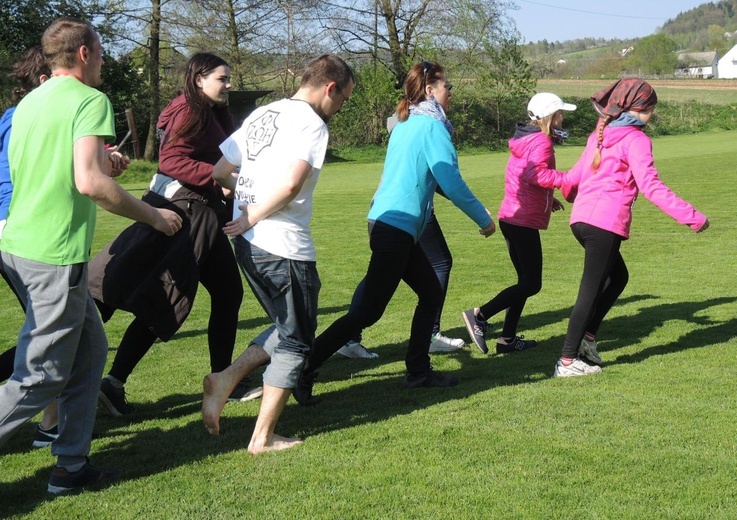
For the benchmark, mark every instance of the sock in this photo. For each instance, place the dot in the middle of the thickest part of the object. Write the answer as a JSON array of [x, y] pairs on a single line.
[[566, 361], [504, 341], [589, 337], [480, 316]]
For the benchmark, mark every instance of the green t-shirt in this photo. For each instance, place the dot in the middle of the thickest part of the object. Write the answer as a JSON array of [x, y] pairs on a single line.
[[49, 221]]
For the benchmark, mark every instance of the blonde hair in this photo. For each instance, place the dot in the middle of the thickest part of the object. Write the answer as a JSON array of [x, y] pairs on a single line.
[[600, 137], [545, 124]]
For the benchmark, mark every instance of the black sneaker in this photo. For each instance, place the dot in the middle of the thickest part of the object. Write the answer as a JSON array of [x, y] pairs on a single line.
[[517, 344], [476, 329], [430, 378], [303, 391], [62, 481], [43, 438], [245, 392], [113, 399]]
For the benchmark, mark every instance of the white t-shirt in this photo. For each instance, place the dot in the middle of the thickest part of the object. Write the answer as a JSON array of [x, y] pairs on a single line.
[[271, 139]]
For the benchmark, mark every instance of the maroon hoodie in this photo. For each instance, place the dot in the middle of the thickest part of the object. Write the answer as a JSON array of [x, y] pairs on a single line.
[[190, 160]]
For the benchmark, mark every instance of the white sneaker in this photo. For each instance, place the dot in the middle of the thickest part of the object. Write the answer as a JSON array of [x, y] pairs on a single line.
[[579, 367], [442, 343], [354, 350], [587, 349]]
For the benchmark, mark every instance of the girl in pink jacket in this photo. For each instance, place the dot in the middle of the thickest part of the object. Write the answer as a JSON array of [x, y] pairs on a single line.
[[615, 166], [525, 210]]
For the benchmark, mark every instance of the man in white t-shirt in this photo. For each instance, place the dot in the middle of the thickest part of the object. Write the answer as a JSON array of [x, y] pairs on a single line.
[[280, 149]]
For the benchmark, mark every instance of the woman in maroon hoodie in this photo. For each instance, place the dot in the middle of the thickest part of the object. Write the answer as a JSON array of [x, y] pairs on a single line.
[[156, 277]]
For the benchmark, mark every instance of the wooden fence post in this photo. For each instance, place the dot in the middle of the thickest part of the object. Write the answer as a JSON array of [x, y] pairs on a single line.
[[134, 133]]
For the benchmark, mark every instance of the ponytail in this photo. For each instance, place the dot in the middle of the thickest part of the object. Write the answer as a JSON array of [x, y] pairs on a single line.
[[419, 76], [597, 156], [403, 109]]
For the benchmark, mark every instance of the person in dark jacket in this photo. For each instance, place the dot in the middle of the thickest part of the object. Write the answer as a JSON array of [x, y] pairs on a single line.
[[156, 278]]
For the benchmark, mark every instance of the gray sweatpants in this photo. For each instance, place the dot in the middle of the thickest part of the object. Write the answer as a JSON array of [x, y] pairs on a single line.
[[61, 352]]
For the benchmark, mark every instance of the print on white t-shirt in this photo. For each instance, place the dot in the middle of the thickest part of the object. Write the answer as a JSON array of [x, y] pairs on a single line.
[[264, 149], [260, 133]]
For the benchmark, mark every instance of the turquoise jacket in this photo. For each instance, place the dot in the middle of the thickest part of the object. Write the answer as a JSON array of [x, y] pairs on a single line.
[[421, 157]]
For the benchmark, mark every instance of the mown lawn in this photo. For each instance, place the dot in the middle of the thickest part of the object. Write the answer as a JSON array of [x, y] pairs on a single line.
[[711, 91], [651, 437]]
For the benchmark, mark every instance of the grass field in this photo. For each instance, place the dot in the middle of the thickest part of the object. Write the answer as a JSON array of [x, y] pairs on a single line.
[[713, 91], [651, 437]]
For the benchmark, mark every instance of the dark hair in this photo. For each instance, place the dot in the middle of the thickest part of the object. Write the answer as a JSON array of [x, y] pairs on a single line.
[[62, 39], [197, 117], [28, 70], [327, 68], [419, 76]]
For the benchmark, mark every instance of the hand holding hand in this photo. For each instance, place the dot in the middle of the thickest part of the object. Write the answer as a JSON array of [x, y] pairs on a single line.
[[116, 163], [488, 230]]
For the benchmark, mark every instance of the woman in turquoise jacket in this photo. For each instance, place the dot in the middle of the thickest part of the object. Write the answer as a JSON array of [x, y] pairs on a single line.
[[420, 159]]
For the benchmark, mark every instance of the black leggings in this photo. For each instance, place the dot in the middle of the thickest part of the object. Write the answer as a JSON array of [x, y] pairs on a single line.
[[432, 241], [604, 278], [219, 275], [395, 257], [526, 253]]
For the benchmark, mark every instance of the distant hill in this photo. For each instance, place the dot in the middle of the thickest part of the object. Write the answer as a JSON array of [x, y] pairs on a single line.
[[710, 26]]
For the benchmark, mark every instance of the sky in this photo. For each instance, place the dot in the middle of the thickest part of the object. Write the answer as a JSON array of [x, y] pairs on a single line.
[[561, 20]]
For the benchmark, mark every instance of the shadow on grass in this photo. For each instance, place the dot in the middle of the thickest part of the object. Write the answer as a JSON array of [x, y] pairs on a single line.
[[380, 396], [260, 323], [375, 396]]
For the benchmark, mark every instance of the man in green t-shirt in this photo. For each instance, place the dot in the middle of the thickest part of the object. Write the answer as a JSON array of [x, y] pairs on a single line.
[[60, 172]]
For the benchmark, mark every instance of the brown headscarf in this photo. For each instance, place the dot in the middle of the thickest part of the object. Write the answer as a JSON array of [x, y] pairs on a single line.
[[624, 95]]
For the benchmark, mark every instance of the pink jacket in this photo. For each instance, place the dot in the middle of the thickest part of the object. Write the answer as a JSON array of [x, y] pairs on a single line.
[[604, 198], [530, 179]]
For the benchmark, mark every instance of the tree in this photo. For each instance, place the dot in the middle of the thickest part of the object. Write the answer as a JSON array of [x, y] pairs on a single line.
[[132, 24], [396, 33], [24, 21], [654, 55], [363, 119]]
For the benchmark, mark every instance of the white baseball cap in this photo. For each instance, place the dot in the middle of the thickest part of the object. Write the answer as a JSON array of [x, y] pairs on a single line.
[[544, 104]]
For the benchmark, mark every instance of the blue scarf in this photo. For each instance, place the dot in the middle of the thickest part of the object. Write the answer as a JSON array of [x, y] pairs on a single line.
[[626, 119], [431, 107]]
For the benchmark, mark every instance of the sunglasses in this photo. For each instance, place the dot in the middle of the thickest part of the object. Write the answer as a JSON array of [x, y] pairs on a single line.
[[426, 68]]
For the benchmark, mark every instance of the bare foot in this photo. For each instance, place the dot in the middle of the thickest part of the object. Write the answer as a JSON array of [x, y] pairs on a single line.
[[277, 443], [214, 399]]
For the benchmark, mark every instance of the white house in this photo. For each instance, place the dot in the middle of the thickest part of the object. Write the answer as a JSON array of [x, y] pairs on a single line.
[[728, 64], [698, 64]]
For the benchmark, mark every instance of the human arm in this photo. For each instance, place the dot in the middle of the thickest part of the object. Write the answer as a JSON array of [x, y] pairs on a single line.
[[540, 168], [190, 160], [286, 185], [91, 179], [571, 180], [6, 186], [641, 164], [223, 173], [443, 162]]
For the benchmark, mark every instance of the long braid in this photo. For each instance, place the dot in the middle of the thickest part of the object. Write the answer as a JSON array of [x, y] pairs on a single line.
[[597, 156]]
